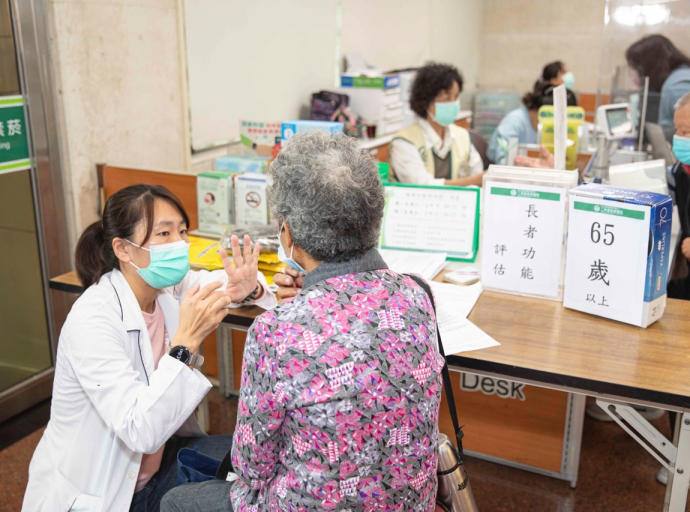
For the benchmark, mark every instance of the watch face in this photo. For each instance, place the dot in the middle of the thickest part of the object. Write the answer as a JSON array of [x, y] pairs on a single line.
[[181, 353]]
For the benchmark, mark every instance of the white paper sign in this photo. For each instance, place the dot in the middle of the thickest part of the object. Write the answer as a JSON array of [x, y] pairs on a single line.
[[522, 239], [431, 219], [607, 258]]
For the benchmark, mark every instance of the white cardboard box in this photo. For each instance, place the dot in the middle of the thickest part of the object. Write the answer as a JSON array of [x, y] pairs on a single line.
[[618, 253], [251, 204], [215, 201]]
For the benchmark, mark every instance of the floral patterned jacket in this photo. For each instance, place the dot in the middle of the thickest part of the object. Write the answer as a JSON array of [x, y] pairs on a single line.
[[340, 395]]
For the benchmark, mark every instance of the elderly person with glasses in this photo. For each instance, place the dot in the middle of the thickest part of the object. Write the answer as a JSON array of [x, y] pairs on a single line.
[[341, 384]]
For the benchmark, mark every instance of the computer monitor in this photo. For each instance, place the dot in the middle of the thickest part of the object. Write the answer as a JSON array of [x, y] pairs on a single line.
[[660, 148], [615, 121]]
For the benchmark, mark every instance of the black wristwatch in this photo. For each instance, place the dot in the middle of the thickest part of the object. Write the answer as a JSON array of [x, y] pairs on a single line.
[[183, 355]]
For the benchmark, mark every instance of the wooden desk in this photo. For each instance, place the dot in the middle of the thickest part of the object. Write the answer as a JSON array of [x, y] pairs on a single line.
[[68, 282], [545, 345]]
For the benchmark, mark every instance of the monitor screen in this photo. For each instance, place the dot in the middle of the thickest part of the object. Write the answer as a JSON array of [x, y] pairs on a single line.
[[619, 121]]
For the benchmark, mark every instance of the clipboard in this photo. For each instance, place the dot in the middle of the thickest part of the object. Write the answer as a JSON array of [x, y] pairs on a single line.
[[428, 218]]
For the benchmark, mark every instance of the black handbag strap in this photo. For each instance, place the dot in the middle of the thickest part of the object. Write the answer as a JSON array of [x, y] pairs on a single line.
[[447, 385]]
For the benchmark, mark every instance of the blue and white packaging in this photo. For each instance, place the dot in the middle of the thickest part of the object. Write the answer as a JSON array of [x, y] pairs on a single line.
[[289, 128], [370, 82], [618, 253], [251, 200], [241, 164]]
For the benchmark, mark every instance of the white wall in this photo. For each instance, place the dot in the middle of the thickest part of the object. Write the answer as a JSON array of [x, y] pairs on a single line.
[[401, 33], [121, 92], [520, 36], [255, 60]]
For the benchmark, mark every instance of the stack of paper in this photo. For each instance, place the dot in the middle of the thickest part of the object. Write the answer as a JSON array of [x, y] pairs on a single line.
[[453, 304], [427, 265], [456, 300]]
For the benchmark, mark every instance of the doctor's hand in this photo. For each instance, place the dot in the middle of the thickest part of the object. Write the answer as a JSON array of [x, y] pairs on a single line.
[[201, 310], [242, 277], [289, 283]]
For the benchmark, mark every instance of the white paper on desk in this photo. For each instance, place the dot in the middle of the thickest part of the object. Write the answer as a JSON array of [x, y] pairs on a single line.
[[461, 335], [426, 265], [456, 301]]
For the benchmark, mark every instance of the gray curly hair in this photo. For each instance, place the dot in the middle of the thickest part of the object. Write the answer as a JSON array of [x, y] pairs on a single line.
[[328, 191]]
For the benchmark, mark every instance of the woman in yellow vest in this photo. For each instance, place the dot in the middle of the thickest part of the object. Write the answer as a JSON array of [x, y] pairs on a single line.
[[434, 150]]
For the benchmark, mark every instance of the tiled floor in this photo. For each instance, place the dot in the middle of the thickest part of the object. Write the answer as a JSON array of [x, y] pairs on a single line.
[[616, 474]]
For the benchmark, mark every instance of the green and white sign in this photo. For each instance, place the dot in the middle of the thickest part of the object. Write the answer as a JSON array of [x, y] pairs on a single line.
[[14, 146], [425, 218], [522, 239], [607, 258]]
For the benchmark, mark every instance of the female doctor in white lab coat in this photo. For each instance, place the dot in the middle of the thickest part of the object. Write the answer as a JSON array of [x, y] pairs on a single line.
[[125, 387]]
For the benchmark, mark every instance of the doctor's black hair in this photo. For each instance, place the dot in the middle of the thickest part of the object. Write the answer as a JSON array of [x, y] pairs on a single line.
[[655, 56], [123, 212], [432, 79]]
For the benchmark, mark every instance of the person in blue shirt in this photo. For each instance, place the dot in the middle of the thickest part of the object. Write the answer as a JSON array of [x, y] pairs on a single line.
[[521, 123], [668, 69]]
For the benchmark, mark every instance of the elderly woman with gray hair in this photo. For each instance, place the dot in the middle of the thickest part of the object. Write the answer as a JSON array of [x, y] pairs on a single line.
[[341, 384]]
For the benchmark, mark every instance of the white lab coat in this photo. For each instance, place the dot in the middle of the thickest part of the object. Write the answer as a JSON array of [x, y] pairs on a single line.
[[109, 405]]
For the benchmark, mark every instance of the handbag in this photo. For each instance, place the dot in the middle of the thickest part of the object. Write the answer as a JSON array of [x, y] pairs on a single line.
[[454, 491], [195, 467]]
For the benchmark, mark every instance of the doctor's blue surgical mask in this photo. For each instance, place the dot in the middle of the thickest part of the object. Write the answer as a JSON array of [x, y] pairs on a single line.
[[447, 112], [169, 264]]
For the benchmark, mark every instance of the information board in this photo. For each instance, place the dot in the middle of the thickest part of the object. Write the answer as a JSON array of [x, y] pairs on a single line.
[[432, 219]]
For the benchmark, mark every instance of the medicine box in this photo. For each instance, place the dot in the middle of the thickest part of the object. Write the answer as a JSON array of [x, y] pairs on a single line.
[[251, 205], [289, 128], [618, 252], [242, 164], [215, 201]]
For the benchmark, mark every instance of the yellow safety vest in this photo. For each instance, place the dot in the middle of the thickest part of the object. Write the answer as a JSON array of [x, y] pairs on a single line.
[[459, 151]]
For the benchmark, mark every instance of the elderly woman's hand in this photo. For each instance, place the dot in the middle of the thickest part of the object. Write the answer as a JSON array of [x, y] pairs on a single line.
[[242, 277], [289, 283]]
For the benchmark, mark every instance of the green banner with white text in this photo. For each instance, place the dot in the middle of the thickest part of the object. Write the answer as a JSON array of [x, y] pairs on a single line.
[[14, 147]]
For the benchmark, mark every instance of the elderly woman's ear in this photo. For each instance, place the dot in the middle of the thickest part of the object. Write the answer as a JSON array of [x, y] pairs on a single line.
[[285, 235]]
